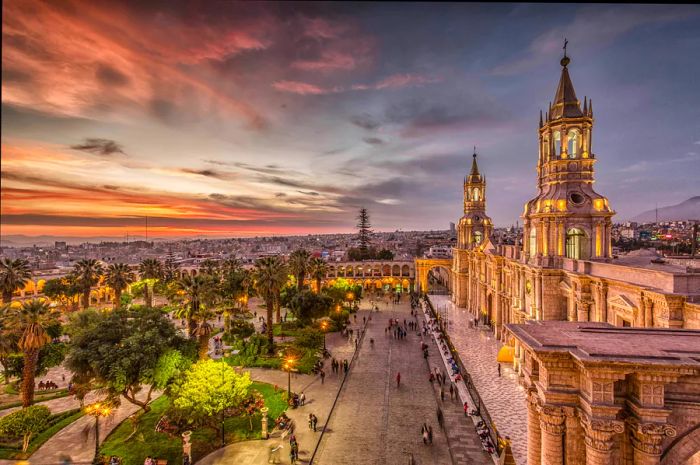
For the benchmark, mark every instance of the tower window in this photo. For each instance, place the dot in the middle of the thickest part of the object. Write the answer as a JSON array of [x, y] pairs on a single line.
[[478, 237], [557, 142], [576, 244], [573, 141], [475, 195], [533, 242]]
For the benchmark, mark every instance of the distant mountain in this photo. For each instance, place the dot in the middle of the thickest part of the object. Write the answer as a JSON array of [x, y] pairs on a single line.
[[688, 210], [20, 240]]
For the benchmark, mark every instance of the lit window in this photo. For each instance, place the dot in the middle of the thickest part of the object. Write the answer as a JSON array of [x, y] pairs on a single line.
[[572, 144]]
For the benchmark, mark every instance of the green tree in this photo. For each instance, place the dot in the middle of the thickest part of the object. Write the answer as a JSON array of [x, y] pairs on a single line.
[[64, 291], [194, 294], [318, 269], [118, 277], [122, 351], [385, 254], [364, 231], [299, 265], [14, 274], [170, 271], [270, 276], [30, 322], [210, 267], [150, 269], [8, 344], [234, 287], [308, 305], [25, 423], [208, 389], [87, 274]]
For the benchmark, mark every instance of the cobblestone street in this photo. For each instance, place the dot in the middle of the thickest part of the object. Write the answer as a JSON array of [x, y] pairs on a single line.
[[504, 398]]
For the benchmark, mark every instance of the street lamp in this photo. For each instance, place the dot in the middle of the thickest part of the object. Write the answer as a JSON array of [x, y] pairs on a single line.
[[223, 426], [97, 410], [288, 366], [324, 327]]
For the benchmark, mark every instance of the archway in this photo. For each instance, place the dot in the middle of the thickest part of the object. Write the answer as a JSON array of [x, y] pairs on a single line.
[[441, 276], [576, 244]]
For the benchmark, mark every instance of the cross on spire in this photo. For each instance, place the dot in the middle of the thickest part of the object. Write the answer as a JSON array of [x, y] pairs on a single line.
[[566, 42]]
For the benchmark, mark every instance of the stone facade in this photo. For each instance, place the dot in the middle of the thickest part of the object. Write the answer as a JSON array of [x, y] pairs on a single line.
[[602, 395]]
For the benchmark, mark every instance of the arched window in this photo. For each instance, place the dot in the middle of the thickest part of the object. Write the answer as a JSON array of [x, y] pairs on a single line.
[[478, 237], [475, 194], [557, 142], [576, 244], [573, 142], [533, 242]]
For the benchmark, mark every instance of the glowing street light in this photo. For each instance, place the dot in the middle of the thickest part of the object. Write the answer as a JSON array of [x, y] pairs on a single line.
[[324, 327], [97, 410], [288, 365]]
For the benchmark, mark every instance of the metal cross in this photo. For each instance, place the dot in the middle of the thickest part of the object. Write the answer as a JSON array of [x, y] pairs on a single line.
[[566, 42]]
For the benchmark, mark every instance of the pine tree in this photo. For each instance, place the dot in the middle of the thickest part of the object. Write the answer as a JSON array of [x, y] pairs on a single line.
[[364, 231]]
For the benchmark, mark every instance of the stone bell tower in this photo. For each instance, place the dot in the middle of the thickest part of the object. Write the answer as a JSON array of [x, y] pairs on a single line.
[[567, 218], [474, 227]]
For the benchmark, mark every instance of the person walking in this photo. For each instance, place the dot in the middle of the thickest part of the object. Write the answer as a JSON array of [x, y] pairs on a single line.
[[440, 418], [452, 391], [442, 394], [466, 409], [302, 398], [424, 433], [314, 422], [323, 376], [398, 380], [499, 370]]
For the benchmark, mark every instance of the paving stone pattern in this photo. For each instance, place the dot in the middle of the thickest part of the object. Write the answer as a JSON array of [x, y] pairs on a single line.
[[503, 396]]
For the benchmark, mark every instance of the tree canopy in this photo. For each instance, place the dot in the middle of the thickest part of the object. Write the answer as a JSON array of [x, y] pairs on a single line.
[[25, 423], [208, 388], [125, 351]]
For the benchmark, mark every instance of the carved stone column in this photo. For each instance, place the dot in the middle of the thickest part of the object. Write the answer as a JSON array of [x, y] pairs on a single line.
[[582, 309], [599, 439], [552, 424], [573, 440], [534, 433], [646, 440]]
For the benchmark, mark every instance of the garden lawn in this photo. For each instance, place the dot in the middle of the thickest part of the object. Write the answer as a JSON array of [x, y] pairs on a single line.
[[147, 441], [56, 423]]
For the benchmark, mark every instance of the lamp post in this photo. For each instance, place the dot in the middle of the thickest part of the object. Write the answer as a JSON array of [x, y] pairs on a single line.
[[97, 410], [324, 327], [288, 366], [223, 427]]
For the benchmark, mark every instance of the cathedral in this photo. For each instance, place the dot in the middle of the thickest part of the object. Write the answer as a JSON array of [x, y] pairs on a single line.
[[563, 268], [606, 349]]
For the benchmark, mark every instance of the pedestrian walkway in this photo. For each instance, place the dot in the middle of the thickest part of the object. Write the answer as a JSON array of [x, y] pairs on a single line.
[[377, 423], [62, 404], [73, 441], [503, 396]]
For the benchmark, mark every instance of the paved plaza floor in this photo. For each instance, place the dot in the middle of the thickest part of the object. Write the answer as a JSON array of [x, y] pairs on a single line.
[[503, 396]]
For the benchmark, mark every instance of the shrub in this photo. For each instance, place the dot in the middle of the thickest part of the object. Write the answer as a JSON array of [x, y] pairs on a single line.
[[25, 422]]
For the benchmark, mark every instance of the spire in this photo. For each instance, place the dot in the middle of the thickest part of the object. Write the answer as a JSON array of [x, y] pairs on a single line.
[[585, 106], [590, 108], [540, 118], [474, 175], [566, 105]]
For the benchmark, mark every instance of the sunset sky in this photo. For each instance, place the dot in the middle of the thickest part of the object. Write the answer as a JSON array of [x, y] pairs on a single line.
[[228, 119]]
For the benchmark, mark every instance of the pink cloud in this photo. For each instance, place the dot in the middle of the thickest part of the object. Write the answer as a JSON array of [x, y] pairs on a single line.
[[301, 88], [82, 58], [329, 61], [396, 81]]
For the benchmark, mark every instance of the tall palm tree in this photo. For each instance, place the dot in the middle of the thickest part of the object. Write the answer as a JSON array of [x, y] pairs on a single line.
[[210, 267], [270, 276], [150, 268], [299, 265], [318, 270], [87, 274], [118, 277], [203, 330], [8, 343], [14, 274], [194, 294], [29, 323]]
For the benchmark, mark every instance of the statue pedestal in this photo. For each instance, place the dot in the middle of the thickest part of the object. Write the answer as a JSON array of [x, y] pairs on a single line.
[[265, 433]]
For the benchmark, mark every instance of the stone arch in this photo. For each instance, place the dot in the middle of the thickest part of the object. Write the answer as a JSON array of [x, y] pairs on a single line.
[[396, 270], [386, 270], [376, 271], [405, 270], [331, 272], [684, 448]]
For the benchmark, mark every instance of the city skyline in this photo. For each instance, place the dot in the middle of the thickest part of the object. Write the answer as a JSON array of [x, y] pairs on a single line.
[[262, 119]]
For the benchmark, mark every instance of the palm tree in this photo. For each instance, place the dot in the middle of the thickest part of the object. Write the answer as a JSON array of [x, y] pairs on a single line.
[[150, 268], [270, 275], [29, 323], [194, 293], [298, 265], [8, 343], [87, 274], [118, 277], [210, 267], [14, 274], [203, 331], [318, 270]]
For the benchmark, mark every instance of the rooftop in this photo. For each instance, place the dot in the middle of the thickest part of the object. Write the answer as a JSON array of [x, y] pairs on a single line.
[[603, 342]]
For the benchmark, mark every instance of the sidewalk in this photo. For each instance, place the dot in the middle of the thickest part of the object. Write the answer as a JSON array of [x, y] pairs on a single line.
[[503, 396]]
